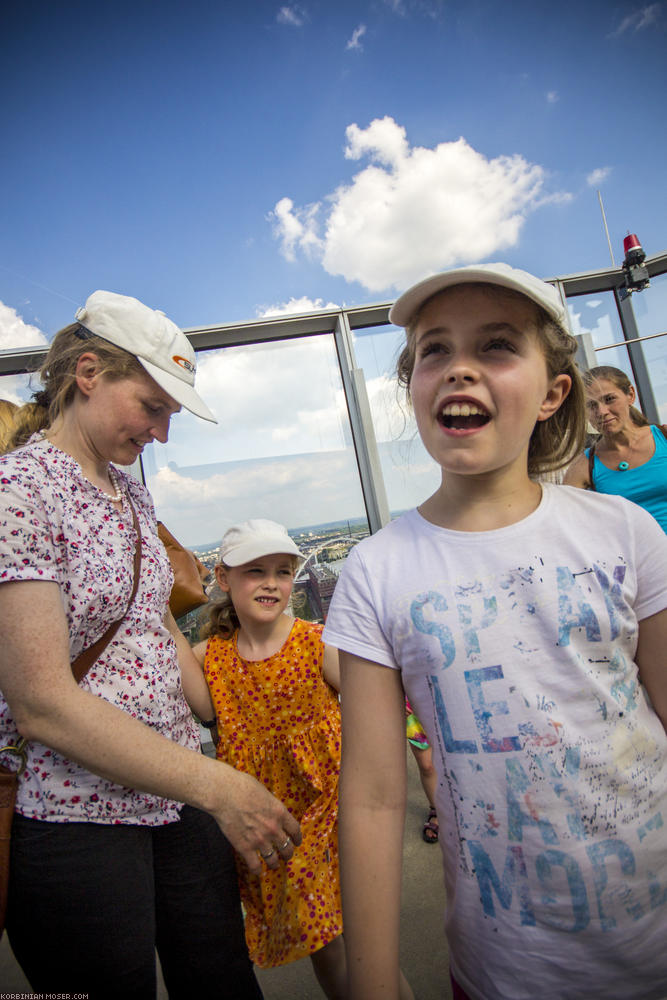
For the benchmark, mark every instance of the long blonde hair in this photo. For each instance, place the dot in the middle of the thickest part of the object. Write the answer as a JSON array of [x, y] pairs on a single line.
[[28, 419], [221, 614], [8, 412]]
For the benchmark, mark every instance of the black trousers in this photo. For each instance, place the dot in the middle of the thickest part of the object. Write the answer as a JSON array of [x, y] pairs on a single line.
[[89, 904]]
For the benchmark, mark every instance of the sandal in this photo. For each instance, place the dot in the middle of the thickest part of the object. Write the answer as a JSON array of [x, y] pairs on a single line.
[[431, 827]]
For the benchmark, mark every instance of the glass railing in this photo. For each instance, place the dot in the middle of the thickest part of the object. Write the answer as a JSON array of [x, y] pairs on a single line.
[[314, 432]]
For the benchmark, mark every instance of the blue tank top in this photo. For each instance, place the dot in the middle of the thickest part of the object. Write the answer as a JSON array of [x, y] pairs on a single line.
[[646, 485]]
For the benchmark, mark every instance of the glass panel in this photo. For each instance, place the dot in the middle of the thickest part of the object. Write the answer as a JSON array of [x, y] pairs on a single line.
[[18, 388], [14, 389], [409, 472], [650, 309], [598, 315], [282, 450]]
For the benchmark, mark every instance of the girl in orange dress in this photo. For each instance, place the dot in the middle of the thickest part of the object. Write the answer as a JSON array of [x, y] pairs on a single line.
[[273, 685]]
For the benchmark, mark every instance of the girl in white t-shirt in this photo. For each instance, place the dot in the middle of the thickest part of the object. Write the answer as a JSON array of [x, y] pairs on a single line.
[[527, 624]]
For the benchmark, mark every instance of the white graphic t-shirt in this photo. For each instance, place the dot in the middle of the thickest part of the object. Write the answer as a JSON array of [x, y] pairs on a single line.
[[516, 649]]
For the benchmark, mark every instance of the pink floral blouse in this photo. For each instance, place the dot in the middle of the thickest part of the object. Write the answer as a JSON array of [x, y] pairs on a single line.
[[57, 526]]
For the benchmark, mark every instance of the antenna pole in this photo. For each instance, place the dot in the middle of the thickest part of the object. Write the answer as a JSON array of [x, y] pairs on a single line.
[[604, 221]]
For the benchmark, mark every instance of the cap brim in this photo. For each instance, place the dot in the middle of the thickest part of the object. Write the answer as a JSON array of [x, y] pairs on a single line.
[[248, 551], [406, 306], [179, 390]]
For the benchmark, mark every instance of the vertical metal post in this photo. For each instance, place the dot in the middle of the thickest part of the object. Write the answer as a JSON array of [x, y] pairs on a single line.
[[363, 432], [637, 359]]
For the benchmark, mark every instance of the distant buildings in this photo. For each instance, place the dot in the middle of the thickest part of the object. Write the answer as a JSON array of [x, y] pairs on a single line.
[[323, 581]]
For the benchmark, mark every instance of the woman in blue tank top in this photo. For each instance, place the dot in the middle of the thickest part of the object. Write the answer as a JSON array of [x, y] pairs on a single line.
[[630, 458]]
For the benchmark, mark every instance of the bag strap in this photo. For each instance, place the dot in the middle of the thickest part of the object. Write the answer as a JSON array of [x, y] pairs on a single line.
[[85, 660], [591, 462]]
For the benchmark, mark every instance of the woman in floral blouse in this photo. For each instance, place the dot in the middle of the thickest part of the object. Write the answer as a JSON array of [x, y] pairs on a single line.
[[107, 864]]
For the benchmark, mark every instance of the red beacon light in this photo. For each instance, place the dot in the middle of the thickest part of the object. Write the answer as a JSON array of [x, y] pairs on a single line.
[[633, 250], [636, 275]]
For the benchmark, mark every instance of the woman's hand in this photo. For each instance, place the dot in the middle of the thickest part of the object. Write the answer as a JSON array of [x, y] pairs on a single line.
[[255, 823], [49, 707]]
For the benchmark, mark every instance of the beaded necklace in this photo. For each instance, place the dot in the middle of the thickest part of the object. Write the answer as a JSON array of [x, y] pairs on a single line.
[[118, 495]]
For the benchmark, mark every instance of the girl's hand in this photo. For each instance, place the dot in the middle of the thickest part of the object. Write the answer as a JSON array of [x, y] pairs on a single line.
[[255, 823]]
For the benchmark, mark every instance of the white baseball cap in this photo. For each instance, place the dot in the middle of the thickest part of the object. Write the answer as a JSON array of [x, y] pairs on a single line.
[[254, 539], [157, 344], [406, 306]]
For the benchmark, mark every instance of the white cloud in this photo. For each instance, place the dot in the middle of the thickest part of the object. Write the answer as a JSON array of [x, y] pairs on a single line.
[[15, 332], [295, 227], [552, 97], [383, 140], [597, 176], [265, 396], [301, 305], [293, 15], [648, 16], [642, 17], [412, 210], [355, 41], [421, 8]]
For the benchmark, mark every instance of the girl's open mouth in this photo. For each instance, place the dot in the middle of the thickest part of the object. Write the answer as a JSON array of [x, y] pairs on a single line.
[[463, 416]]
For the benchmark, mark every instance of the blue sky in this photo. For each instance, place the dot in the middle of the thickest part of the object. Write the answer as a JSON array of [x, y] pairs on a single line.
[[221, 160]]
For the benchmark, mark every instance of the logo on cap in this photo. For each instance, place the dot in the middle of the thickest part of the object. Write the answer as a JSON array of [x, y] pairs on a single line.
[[184, 363]]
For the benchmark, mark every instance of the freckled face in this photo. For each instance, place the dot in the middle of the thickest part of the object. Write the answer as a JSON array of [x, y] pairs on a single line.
[[123, 415], [259, 589], [480, 381]]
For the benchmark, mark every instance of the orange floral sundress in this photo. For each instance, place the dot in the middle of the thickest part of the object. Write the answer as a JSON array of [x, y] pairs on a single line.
[[279, 720]]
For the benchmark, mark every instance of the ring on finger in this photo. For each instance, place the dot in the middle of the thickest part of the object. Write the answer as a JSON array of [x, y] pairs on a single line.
[[266, 857], [283, 846]]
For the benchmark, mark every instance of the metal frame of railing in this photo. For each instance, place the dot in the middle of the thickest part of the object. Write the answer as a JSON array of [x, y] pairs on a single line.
[[341, 324]]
